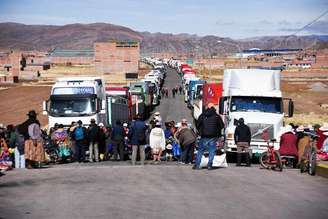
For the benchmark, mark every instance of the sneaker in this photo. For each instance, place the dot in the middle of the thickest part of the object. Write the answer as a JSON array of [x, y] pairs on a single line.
[[195, 167]]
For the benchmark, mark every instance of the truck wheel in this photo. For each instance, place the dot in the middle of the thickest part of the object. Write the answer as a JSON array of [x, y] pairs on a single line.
[[264, 160]]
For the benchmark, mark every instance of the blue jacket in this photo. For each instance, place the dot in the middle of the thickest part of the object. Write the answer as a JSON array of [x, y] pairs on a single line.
[[138, 129]]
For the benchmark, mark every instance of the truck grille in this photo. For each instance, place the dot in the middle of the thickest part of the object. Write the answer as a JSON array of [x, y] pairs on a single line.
[[261, 132]]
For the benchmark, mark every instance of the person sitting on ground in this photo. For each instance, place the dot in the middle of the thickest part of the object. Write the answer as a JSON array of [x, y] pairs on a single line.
[[288, 142], [157, 142]]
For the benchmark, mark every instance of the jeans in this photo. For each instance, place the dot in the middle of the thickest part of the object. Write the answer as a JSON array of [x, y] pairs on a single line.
[[19, 159], [80, 150], [93, 147], [210, 145], [134, 154], [118, 146], [187, 153]]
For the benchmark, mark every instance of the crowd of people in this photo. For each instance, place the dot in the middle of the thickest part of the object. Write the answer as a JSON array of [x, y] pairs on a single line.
[[24, 145]]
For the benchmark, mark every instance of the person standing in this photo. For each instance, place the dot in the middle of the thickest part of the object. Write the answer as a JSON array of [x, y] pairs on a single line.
[[137, 136], [19, 150], [103, 135], [210, 126], [70, 134], [33, 146], [242, 139], [173, 92], [117, 140], [80, 137], [180, 89], [187, 138], [157, 142], [93, 139]]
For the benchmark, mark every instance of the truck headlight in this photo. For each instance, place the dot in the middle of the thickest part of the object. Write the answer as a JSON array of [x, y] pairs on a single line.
[[230, 136]]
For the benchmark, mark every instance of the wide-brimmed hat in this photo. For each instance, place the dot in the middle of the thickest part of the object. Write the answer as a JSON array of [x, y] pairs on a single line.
[[157, 114], [184, 121], [324, 127], [300, 128], [101, 124], [31, 113], [125, 124], [325, 133], [2, 126]]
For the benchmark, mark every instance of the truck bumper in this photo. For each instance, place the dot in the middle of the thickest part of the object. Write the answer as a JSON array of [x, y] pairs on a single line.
[[257, 148]]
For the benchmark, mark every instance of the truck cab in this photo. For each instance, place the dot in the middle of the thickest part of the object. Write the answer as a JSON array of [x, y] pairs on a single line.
[[76, 98], [255, 95]]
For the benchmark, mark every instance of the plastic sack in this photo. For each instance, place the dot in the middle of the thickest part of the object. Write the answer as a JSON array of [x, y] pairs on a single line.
[[218, 161], [176, 150]]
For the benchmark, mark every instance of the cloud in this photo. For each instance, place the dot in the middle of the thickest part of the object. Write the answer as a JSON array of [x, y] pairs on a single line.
[[320, 27], [265, 22], [224, 23]]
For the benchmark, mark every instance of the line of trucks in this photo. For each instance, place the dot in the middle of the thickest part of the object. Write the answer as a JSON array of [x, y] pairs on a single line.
[[253, 94], [85, 98]]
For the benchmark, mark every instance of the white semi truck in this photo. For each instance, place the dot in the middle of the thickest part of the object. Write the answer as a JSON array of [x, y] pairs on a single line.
[[76, 98], [255, 95]]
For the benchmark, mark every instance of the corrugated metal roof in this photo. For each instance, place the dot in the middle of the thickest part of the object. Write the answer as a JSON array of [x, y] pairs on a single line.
[[72, 53]]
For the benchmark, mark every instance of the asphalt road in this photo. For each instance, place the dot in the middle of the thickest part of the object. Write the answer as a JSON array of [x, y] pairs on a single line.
[[169, 190]]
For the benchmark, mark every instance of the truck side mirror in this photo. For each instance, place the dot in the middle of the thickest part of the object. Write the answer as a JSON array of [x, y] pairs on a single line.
[[290, 108], [45, 107], [221, 106]]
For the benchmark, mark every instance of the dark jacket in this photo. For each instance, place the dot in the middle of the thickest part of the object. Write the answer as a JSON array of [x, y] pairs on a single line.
[[23, 128], [186, 136], [118, 133], [138, 129], [242, 134], [93, 133], [209, 124]]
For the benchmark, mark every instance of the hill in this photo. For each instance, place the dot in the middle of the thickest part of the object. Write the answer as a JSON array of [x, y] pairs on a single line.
[[78, 36]]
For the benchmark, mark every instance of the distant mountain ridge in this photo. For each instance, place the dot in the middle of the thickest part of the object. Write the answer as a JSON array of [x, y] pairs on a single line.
[[79, 36]]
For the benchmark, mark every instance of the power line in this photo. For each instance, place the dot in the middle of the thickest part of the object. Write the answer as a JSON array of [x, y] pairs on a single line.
[[305, 26]]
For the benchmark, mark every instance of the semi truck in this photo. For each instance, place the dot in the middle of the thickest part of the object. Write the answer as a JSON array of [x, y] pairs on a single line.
[[147, 94], [76, 98], [255, 95], [194, 85], [211, 92], [119, 104]]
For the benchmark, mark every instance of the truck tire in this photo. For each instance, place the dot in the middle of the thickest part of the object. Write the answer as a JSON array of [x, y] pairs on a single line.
[[312, 162]]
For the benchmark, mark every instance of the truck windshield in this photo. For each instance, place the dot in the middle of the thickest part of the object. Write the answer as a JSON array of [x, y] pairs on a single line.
[[73, 107], [256, 104]]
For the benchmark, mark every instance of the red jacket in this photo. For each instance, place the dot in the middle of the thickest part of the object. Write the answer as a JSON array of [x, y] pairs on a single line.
[[288, 144]]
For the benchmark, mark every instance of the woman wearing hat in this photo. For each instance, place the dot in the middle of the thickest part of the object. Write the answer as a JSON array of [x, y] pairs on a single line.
[[288, 142], [157, 141], [320, 132], [30, 129]]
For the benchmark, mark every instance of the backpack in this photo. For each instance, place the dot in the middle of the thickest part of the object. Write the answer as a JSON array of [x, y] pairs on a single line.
[[34, 131], [78, 132]]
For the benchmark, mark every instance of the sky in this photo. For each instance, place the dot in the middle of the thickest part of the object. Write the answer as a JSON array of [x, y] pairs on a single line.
[[236, 19]]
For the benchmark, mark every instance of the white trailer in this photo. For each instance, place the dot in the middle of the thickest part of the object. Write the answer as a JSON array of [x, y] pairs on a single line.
[[76, 98], [255, 95]]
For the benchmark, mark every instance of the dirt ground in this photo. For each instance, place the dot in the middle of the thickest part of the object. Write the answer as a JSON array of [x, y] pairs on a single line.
[[308, 90], [16, 101]]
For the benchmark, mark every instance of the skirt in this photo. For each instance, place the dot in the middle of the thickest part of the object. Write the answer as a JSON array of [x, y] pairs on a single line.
[[34, 150]]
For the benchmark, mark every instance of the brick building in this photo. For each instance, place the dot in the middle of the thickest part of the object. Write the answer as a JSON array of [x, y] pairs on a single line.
[[117, 57]]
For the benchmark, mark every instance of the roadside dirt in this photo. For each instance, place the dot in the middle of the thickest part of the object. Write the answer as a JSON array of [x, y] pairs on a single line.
[[15, 102]]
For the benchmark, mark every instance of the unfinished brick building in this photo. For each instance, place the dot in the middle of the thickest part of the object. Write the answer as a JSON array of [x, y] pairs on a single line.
[[117, 57]]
